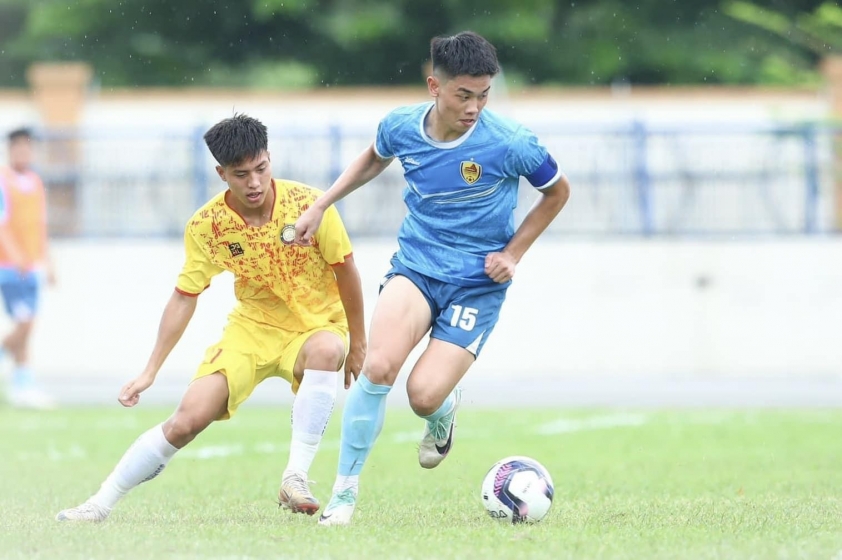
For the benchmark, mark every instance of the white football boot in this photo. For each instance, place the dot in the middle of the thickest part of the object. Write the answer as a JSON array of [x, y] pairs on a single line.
[[88, 511], [295, 495], [438, 437], [340, 508]]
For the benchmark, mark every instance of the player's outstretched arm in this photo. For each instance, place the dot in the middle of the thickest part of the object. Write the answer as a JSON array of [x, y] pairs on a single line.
[[363, 169], [174, 320], [351, 294], [500, 267]]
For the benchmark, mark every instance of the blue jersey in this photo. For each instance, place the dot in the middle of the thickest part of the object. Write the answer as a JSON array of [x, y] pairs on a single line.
[[460, 195]]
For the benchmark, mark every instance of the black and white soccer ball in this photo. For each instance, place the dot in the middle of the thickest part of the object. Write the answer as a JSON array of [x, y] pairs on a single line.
[[518, 490]]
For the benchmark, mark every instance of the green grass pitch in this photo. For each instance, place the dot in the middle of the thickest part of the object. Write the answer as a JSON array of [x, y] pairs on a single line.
[[628, 484]]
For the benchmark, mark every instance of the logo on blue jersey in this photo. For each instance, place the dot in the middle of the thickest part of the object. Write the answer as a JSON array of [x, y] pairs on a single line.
[[471, 171]]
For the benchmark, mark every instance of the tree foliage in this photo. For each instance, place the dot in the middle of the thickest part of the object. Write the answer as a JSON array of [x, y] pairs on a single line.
[[294, 43]]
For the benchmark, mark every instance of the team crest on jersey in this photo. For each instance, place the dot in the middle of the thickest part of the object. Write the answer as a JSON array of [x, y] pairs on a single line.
[[471, 171], [236, 249], [288, 234]]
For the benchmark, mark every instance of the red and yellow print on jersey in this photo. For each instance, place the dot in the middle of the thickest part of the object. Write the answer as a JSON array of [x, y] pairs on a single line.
[[276, 283]]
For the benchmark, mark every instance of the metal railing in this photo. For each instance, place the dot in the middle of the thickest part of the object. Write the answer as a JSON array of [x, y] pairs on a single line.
[[629, 179]]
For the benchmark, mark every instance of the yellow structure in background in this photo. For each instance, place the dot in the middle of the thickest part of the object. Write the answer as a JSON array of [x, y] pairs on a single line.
[[59, 92]]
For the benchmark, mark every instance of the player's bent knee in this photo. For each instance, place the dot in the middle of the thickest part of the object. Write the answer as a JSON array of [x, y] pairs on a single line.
[[331, 356], [181, 428], [423, 403], [380, 370], [324, 352]]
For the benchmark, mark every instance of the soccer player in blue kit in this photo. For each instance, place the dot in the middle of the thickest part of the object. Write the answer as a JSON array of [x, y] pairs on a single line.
[[458, 249]]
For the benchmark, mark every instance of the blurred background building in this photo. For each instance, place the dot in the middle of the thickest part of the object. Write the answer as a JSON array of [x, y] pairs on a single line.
[[708, 117], [701, 139]]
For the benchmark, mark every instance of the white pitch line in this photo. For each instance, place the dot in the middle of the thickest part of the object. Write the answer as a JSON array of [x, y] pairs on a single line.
[[405, 437], [560, 426], [263, 448], [569, 425], [212, 451], [61, 424], [267, 448], [414, 436], [54, 454]]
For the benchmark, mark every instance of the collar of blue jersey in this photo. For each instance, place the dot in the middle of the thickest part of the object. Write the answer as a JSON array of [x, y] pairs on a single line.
[[444, 145]]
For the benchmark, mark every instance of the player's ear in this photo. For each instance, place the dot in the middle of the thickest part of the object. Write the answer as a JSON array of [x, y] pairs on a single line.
[[433, 85], [221, 172]]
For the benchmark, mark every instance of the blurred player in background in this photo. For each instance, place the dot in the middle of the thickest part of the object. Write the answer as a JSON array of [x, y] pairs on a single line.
[[297, 308], [23, 261], [457, 254]]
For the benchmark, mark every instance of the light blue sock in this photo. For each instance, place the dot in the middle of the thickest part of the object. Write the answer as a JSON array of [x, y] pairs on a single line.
[[362, 420], [445, 409], [22, 377]]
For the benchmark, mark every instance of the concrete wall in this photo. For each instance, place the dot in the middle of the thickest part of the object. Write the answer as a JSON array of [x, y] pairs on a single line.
[[763, 308], [359, 110], [16, 109]]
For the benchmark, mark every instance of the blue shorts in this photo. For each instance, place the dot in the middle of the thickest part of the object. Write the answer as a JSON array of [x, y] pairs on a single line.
[[464, 316], [20, 296]]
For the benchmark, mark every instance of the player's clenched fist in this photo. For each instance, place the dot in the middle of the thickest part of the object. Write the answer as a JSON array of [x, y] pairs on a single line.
[[500, 267], [307, 224], [130, 393]]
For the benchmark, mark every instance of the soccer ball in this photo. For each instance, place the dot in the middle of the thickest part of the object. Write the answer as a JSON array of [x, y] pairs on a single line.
[[517, 490]]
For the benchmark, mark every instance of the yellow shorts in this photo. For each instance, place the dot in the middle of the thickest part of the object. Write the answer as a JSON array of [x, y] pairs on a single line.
[[249, 353]]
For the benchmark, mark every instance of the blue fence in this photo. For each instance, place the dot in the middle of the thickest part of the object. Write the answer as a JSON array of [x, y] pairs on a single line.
[[626, 179]]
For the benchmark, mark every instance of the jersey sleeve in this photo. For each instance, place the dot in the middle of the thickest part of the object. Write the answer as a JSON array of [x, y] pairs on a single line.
[[198, 269], [383, 141], [527, 157], [332, 238]]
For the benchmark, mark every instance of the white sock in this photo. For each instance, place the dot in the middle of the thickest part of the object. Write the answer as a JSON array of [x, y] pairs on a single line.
[[143, 461], [346, 482], [311, 411]]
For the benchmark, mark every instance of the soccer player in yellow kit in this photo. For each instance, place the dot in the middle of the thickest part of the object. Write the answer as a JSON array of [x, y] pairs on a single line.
[[300, 310]]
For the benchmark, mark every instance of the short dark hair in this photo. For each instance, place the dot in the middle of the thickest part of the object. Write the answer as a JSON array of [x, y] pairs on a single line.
[[464, 54], [19, 134], [237, 139]]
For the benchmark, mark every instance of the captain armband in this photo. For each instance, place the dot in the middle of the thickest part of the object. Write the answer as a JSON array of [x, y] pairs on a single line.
[[546, 174]]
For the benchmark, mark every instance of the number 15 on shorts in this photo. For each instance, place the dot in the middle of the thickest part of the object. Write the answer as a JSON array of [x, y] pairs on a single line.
[[464, 317]]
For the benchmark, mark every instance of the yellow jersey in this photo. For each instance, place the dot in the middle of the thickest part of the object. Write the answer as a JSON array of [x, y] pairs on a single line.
[[276, 283]]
